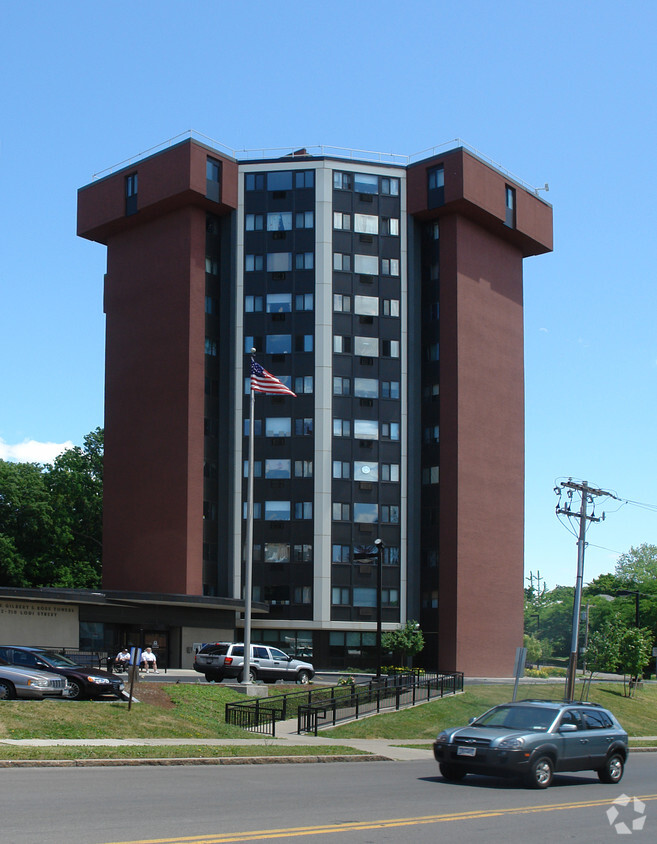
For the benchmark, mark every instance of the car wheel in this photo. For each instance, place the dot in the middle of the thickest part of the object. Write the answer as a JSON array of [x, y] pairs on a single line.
[[453, 773], [7, 691], [540, 773], [303, 677], [612, 770], [75, 691], [252, 674]]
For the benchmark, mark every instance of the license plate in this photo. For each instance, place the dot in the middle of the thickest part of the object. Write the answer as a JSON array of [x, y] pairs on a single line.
[[466, 751]]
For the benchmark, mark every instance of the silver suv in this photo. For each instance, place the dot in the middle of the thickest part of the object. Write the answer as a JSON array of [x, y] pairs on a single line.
[[220, 660], [533, 739]]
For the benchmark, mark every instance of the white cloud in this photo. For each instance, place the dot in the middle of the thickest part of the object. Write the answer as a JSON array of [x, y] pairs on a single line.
[[31, 451]]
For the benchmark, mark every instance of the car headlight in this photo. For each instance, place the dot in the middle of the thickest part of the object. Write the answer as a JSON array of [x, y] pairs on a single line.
[[43, 683], [511, 743], [100, 680], [443, 738]]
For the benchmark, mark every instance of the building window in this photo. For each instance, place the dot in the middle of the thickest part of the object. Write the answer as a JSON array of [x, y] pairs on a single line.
[[279, 221], [257, 510], [257, 427], [366, 183], [278, 344], [302, 553], [341, 511], [366, 513], [277, 511], [510, 215], [340, 596], [303, 343], [213, 179], [389, 266], [257, 468], [389, 187], [367, 346], [304, 178], [391, 307], [432, 434], [390, 472], [303, 384], [278, 303], [341, 303], [367, 305], [304, 260], [341, 221], [391, 555], [303, 468], [366, 224], [210, 347], [366, 264], [304, 302], [278, 262], [436, 187], [341, 386], [341, 427], [304, 219], [366, 472], [131, 186], [390, 514], [303, 427], [277, 552], [366, 388], [431, 475], [341, 345], [303, 510], [342, 262], [341, 470], [254, 222], [279, 180], [390, 389], [278, 426], [255, 181], [302, 595], [341, 554], [342, 181], [390, 430], [253, 304], [211, 265], [390, 225], [211, 306], [253, 263], [251, 342], [277, 468], [366, 429], [390, 348], [364, 596]]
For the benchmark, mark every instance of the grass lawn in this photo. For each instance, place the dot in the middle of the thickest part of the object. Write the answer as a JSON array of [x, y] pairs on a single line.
[[187, 752], [637, 715], [176, 711]]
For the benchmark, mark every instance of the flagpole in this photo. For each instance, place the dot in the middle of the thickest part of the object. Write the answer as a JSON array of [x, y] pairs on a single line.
[[248, 575]]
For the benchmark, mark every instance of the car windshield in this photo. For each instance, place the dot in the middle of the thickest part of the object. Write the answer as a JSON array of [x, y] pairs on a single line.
[[57, 660], [523, 718]]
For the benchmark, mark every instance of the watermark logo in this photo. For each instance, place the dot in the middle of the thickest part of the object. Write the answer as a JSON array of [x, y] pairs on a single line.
[[627, 815]]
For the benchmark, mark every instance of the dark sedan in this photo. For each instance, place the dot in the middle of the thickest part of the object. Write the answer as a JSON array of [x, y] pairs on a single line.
[[83, 682]]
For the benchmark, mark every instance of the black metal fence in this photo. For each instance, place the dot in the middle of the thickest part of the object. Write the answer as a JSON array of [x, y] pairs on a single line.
[[329, 705]]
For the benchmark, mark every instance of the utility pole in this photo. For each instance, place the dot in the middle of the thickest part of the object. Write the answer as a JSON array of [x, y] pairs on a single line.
[[588, 495]]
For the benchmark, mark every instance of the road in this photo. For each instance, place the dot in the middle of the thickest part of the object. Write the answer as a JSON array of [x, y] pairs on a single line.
[[335, 802]]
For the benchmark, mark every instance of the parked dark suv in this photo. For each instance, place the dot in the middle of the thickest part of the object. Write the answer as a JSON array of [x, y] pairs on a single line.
[[82, 682], [219, 660], [534, 738]]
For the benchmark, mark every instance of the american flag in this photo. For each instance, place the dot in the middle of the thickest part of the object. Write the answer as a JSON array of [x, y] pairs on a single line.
[[264, 382]]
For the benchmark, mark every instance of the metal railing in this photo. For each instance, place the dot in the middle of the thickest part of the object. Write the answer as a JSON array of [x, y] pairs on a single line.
[[329, 705]]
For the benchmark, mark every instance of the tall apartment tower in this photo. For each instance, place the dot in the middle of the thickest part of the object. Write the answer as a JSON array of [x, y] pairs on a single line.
[[388, 296]]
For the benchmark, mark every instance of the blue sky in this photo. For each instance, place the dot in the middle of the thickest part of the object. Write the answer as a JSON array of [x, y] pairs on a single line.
[[557, 92]]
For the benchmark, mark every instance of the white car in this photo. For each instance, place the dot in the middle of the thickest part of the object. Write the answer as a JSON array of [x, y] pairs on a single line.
[[26, 683]]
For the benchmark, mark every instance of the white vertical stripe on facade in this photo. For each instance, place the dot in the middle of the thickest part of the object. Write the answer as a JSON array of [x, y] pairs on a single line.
[[323, 425]]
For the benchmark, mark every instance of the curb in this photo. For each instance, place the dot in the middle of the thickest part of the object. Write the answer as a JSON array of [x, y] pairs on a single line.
[[201, 760]]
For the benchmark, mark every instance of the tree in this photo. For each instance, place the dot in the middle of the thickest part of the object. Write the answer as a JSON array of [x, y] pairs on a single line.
[[26, 523], [406, 641], [634, 653], [638, 566], [51, 519], [603, 649], [534, 648]]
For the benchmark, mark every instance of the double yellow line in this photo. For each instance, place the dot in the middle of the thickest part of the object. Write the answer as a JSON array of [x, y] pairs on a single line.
[[388, 823]]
